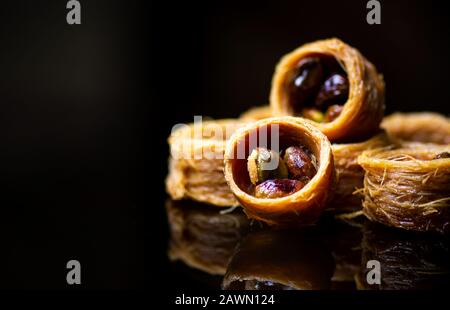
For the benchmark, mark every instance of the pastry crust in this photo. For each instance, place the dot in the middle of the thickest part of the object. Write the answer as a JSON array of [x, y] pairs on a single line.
[[407, 188], [196, 163], [363, 111], [426, 127], [300, 208], [349, 174], [256, 114], [293, 259], [203, 238]]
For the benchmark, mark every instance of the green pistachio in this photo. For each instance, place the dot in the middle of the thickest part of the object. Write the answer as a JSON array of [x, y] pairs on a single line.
[[264, 164], [313, 114]]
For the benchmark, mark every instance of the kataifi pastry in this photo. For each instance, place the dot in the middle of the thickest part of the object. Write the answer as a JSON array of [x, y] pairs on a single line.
[[256, 114], [426, 127], [408, 188], [281, 170], [196, 162], [350, 175], [332, 84]]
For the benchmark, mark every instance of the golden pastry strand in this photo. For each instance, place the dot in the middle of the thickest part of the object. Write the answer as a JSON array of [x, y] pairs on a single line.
[[425, 127], [350, 175], [408, 188], [196, 162]]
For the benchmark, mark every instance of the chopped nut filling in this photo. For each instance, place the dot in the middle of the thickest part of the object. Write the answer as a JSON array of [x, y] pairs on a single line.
[[275, 177], [318, 88]]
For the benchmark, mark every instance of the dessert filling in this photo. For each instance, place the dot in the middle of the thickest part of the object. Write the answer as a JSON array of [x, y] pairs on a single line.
[[276, 175], [318, 88]]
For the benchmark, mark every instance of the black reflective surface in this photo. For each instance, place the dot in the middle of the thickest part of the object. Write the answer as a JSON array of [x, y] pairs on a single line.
[[230, 252]]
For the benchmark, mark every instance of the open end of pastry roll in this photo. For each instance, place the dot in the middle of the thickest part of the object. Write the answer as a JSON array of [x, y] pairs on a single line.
[[281, 170], [280, 260], [333, 85], [408, 188]]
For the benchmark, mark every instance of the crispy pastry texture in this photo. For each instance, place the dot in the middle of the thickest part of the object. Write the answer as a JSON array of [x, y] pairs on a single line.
[[196, 162], [256, 114], [363, 111], [300, 208], [350, 175], [282, 260], [427, 127], [407, 188], [203, 238]]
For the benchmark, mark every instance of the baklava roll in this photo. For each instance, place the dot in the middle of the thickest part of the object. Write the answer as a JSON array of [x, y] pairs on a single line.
[[332, 84], [408, 261], [426, 127], [281, 170], [280, 260], [350, 175], [256, 114], [201, 237], [408, 188], [196, 162]]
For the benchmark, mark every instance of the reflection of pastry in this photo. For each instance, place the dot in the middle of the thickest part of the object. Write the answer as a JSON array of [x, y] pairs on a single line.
[[349, 173], [407, 260], [203, 238], [256, 114], [281, 170], [334, 85], [196, 162], [280, 260], [344, 241], [424, 127], [408, 188]]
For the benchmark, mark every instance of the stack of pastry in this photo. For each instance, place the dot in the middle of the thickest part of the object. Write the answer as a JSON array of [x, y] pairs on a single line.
[[322, 144], [196, 162]]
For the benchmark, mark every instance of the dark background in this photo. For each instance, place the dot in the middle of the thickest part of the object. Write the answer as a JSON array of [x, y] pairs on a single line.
[[85, 112]]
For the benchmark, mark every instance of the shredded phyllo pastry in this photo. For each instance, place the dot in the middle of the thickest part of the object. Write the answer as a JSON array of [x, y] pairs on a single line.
[[287, 185], [203, 238], [424, 127], [333, 85], [350, 175], [256, 113], [196, 162], [408, 188], [321, 144]]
